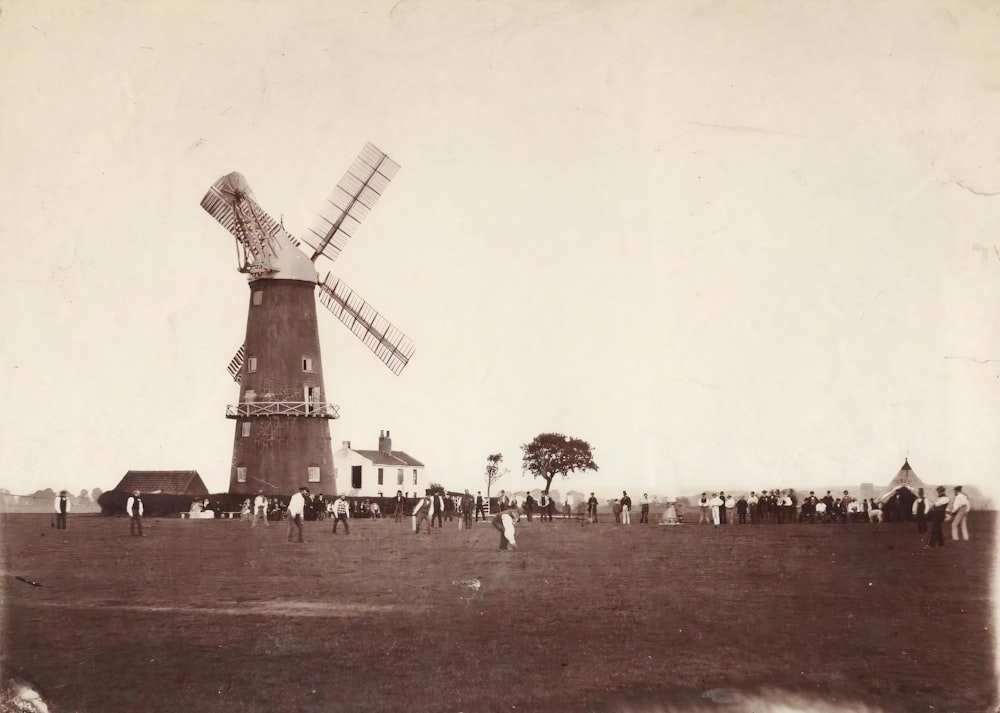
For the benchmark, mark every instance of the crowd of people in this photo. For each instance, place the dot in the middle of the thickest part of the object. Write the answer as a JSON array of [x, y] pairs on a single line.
[[773, 507]]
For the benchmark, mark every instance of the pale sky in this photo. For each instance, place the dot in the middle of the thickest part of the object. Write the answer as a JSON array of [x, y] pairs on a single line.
[[730, 244]]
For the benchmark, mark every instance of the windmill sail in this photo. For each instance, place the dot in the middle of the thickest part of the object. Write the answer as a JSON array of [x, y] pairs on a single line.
[[348, 205], [389, 344], [263, 239], [235, 367]]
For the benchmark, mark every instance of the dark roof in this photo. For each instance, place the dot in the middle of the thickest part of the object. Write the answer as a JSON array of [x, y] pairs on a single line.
[[395, 458], [168, 482]]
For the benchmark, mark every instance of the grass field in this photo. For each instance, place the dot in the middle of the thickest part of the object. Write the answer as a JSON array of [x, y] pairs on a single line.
[[215, 616]]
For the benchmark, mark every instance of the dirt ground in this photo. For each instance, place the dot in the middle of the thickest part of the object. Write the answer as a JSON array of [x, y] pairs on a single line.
[[216, 616]]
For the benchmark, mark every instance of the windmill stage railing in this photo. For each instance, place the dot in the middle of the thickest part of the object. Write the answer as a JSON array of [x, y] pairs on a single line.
[[311, 409]]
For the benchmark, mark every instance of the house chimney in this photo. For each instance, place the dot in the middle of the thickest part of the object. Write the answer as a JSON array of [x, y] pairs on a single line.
[[384, 443]]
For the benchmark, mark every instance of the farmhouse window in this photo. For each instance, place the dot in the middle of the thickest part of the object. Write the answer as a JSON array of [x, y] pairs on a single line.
[[241, 475], [258, 297], [313, 474], [356, 477], [414, 476], [246, 429], [381, 475], [399, 477]]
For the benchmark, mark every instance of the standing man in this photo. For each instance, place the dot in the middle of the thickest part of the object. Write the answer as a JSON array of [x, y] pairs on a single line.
[[722, 509], [438, 510], [717, 506], [730, 509], [920, 511], [134, 509], [479, 506], [62, 507], [296, 512], [939, 510], [341, 514], [467, 505], [529, 506], [259, 509], [644, 509], [592, 508], [626, 509], [704, 509], [741, 509], [958, 510], [399, 501], [504, 522]]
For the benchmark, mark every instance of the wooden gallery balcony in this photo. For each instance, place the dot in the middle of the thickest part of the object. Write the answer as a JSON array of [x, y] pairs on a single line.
[[310, 409]]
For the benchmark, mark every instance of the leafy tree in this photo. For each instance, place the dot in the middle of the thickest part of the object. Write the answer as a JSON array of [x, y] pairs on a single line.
[[552, 454], [95, 494], [493, 472]]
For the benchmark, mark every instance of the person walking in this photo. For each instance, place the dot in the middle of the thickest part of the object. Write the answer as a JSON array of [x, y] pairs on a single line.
[[644, 509], [62, 509], [958, 510], [626, 503], [504, 522], [259, 510], [920, 511], [297, 512], [939, 511], [134, 509], [341, 514]]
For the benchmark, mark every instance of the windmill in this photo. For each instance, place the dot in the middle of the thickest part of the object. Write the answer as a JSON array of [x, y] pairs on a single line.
[[282, 437]]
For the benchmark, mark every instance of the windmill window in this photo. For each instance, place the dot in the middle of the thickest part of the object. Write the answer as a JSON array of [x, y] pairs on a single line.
[[246, 429], [241, 475], [251, 365], [307, 364], [258, 297], [381, 476], [313, 474]]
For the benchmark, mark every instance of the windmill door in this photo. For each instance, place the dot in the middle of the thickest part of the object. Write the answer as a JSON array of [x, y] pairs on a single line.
[[312, 399]]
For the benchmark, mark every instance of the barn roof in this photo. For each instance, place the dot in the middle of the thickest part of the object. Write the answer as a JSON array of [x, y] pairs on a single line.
[[168, 482], [395, 458]]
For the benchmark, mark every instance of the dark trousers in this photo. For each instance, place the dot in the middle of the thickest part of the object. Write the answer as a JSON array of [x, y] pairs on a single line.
[[294, 523], [921, 524], [644, 514], [399, 512], [60, 521], [341, 518], [480, 511], [437, 516], [503, 538], [136, 526], [937, 535], [743, 518], [467, 520]]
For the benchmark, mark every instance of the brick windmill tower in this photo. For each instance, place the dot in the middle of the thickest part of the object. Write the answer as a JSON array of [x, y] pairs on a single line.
[[282, 438]]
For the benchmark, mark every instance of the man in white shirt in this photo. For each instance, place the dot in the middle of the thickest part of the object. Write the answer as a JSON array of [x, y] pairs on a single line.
[[62, 509], [259, 510], [504, 522], [939, 511], [958, 510], [644, 509], [422, 511], [341, 514], [753, 503], [715, 503], [731, 509], [296, 512], [134, 509], [703, 506]]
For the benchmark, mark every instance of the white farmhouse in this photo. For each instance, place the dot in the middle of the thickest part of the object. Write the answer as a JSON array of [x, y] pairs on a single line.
[[378, 473]]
